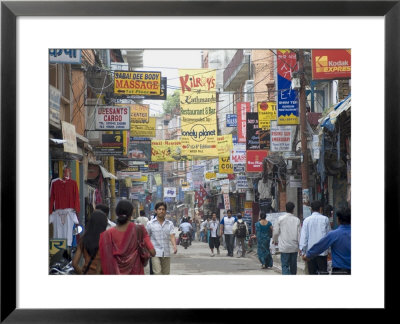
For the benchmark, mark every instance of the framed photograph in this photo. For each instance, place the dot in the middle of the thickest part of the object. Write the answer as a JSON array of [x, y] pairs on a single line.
[[29, 28]]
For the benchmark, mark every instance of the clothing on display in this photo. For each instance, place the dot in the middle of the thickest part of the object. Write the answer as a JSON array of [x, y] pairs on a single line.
[[264, 189], [63, 221], [64, 194]]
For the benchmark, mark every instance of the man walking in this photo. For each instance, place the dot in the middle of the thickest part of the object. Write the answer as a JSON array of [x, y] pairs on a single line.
[[287, 234], [213, 226], [314, 228], [226, 229], [161, 232], [240, 231], [339, 240]]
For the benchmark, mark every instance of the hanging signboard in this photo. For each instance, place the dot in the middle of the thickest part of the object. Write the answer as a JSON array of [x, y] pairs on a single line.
[[137, 83], [264, 137], [140, 149], [112, 144], [242, 109], [198, 112], [170, 192], [139, 113], [266, 113], [227, 203], [252, 137], [69, 135], [238, 154], [231, 120], [147, 129], [287, 99], [281, 138], [165, 150], [225, 165], [224, 145], [241, 182], [66, 56], [254, 160], [331, 64], [112, 118], [54, 104]]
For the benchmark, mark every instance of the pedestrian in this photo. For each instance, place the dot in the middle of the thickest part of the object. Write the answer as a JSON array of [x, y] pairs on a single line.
[[162, 233], [240, 230], [207, 229], [105, 209], [202, 230], [119, 245], [264, 233], [194, 225], [315, 227], [88, 247], [226, 229], [142, 219], [213, 226], [287, 233], [339, 240]]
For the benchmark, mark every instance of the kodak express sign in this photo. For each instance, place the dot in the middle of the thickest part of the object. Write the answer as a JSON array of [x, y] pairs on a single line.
[[137, 83], [331, 64]]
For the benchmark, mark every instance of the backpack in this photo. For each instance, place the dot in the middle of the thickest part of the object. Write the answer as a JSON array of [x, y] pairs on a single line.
[[241, 230]]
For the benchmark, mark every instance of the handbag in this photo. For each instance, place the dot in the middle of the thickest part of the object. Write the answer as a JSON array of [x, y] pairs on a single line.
[[144, 254]]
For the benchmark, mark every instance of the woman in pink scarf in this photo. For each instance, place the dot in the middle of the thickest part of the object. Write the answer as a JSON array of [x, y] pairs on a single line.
[[118, 245]]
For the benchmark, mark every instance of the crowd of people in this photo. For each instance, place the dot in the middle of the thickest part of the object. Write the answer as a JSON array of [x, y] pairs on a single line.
[[124, 247]]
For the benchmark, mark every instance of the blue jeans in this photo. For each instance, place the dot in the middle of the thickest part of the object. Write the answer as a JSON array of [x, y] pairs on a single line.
[[289, 263], [230, 241]]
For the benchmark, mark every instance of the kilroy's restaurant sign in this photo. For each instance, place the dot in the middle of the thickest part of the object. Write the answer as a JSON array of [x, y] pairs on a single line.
[[112, 118]]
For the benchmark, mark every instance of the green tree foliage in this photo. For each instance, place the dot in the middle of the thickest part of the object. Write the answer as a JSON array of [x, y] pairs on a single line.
[[171, 102]]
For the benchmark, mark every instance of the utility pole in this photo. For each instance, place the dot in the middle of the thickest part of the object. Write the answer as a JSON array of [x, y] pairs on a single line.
[[303, 128]]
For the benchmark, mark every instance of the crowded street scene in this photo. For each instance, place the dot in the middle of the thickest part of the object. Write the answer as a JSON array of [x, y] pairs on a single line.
[[199, 162]]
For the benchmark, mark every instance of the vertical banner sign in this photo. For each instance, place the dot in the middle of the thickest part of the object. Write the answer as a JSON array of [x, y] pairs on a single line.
[[252, 130], [242, 109], [69, 135], [227, 203], [331, 64], [198, 112], [266, 113], [288, 101]]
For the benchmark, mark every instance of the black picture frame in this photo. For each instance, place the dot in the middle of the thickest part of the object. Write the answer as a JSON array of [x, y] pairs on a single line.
[[10, 10]]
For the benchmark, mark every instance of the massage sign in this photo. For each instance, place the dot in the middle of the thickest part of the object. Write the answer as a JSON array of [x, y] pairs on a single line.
[[137, 83], [198, 112], [112, 118]]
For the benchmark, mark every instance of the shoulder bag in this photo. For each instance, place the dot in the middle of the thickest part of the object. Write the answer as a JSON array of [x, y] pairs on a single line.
[[144, 254]]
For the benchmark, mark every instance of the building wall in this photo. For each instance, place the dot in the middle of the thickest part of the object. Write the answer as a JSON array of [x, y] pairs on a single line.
[[78, 100], [263, 72]]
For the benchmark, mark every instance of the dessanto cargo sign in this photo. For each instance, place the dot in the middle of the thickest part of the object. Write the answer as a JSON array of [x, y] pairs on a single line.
[[137, 83], [112, 118], [331, 64]]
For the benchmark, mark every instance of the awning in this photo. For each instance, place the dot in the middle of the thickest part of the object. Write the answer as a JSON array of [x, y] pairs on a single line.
[[330, 120], [107, 174]]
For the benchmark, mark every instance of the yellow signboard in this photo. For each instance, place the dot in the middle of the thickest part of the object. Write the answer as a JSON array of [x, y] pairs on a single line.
[[198, 112], [266, 113], [137, 83], [57, 245], [139, 114], [144, 178], [144, 129], [211, 175], [165, 151], [224, 145], [225, 165]]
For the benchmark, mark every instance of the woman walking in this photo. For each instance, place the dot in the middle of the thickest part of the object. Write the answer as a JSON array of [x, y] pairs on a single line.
[[88, 246], [264, 234], [119, 245]]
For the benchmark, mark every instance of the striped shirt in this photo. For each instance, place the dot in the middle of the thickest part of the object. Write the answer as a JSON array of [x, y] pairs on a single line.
[[160, 236]]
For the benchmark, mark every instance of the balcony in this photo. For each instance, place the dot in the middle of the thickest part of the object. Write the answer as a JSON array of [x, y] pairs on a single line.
[[237, 71]]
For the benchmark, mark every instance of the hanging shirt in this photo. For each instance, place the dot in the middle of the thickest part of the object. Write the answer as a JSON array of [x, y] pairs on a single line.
[[63, 221], [264, 189], [64, 194]]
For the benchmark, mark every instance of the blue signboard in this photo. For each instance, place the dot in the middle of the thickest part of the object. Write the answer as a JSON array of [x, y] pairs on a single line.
[[231, 120]]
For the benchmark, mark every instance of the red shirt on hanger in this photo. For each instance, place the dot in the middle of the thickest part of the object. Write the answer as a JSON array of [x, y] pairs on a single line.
[[64, 194]]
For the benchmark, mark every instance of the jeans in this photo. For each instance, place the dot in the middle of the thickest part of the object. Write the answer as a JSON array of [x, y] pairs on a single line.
[[229, 239], [241, 247], [318, 265], [289, 263]]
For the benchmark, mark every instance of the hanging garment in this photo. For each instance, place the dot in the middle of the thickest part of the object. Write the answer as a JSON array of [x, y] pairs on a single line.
[[264, 189], [63, 221], [64, 194]]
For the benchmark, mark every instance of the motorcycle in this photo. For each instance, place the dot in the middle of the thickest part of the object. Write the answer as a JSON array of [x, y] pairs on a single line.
[[184, 240], [61, 262]]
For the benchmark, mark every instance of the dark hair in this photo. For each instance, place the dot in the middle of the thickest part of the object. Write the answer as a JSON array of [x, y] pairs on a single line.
[[103, 208], [229, 211], [344, 215], [289, 207], [142, 213], [161, 203], [96, 225], [239, 215], [327, 210], [316, 206], [124, 211], [263, 215]]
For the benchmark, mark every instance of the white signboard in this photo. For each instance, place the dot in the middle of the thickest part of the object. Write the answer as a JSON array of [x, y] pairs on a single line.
[[66, 56], [241, 182], [170, 192], [238, 154], [281, 138], [69, 135], [112, 118]]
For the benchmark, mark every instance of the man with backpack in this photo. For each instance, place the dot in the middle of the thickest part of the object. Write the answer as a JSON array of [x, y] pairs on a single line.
[[240, 231]]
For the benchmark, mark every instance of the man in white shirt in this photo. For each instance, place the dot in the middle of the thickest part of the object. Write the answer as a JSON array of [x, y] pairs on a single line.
[[314, 228], [287, 229], [213, 226], [142, 219], [226, 228]]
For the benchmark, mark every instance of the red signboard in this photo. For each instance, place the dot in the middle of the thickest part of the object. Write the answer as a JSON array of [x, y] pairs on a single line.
[[254, 160], [242, 109], [331, 64]]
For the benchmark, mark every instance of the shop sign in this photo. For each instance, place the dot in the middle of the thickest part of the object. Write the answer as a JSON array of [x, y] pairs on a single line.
[[165, 150], [287, 98], [242, 109], [170, 192], [66, 56], [153, 167], [241, 182], [130, 174], [143, 178], [54, 104], [238, 154], [281, 138], [266, 113], [252, 130], [210, 175], [231, 120], [147, 130], [295, 181], [225, 165], [139, 114], [239, 167], [137, 83], [254, 160], [139, 149], [224, 145], [56, 245], [112, 118], [227, 203], [69, 135], [112, 144], [331, 64]]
